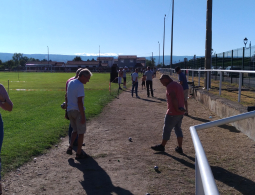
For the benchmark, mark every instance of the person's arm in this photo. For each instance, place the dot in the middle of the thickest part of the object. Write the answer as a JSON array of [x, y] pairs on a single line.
[[81, 109], [5, 101]]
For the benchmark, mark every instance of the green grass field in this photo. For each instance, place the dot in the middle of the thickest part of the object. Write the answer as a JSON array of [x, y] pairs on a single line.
[[37, 121]]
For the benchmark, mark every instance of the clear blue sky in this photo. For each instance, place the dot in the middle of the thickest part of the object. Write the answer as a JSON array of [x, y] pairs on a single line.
[[124, 27]]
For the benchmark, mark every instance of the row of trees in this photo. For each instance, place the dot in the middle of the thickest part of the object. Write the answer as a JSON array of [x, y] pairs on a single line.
[[78, 59], [18, 62]]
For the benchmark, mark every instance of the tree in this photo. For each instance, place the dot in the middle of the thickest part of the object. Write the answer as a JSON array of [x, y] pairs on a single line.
[[16, 58], [150, 63], [44, 60], [1, 62], [23, 61], [77, 58], [88, 60], [9, 64], [93, 60]]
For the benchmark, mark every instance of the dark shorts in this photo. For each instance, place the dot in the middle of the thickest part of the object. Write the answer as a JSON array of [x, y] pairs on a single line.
[[170, 123], [124, 78], [143, 83]]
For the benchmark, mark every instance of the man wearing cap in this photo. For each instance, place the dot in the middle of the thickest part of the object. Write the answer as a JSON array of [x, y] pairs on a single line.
[[174, 114], [124, 77]]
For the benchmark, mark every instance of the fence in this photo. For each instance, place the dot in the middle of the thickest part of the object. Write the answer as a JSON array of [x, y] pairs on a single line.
[[205, 183], [238, 59], [211, 72]]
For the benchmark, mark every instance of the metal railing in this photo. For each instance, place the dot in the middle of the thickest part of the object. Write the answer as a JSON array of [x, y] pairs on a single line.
[[240, 72], [205, 183]]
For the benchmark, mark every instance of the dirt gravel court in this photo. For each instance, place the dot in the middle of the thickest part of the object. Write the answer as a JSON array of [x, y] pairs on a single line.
[[119, 167]]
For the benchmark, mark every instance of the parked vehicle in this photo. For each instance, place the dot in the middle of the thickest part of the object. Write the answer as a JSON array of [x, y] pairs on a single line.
[[232, 74]]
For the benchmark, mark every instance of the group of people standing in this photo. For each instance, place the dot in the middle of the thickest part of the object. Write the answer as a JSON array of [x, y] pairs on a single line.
[[147, 77]]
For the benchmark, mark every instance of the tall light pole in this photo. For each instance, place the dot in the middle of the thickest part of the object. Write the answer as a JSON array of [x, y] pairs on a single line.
[[245, 40], [171, 58], [158, 52], [48, 55], [208, 42], [164, 42]]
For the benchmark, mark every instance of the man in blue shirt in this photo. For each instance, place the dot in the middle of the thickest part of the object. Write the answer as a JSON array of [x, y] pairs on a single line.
[[185, 86]]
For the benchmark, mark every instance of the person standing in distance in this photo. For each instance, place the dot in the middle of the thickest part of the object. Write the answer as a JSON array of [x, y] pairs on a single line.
[[76, 110], [120, 77], [174, 114], [185, 86], [149, 75], [135, 82], [6, 104], [124, 77]]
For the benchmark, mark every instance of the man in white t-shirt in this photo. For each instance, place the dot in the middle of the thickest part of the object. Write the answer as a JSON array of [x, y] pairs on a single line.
[[135, 82], [75, 110]]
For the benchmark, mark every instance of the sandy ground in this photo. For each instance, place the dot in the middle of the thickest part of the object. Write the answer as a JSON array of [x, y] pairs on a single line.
[[119, 167]]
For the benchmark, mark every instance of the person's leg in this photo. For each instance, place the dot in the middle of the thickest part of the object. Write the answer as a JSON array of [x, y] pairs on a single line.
[[151, 88], [136, 88], [147, 86], [167, 129], [80, 142], [73, 137], [179, 134], [133, 86], [186, 106], [186, 94]]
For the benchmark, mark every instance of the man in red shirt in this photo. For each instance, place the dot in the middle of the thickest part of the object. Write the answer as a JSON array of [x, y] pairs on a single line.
[[174, 114]]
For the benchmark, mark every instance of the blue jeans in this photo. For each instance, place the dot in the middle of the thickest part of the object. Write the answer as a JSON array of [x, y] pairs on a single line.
[[135, 85], [1, 139]]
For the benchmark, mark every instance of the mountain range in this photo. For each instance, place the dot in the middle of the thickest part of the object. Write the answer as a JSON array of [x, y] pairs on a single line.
[[64, 58]]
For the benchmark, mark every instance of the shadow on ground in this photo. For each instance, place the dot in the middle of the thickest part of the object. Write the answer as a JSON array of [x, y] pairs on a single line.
[[228, 127], [96, 180], [242, 184]]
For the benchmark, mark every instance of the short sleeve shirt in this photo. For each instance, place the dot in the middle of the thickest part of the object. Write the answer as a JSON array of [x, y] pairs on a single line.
[[134, 76], [182, 77], [72, 78], [148, 75], [75, 89], [178, 90]]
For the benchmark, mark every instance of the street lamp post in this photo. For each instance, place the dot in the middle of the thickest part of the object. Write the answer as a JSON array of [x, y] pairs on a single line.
[[171, 60], [164, 41], [158, 52], [245, 41]]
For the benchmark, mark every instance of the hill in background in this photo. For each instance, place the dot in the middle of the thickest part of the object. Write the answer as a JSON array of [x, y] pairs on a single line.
[[64, 58]]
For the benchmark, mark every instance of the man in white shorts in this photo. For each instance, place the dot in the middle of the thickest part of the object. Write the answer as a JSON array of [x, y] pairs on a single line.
[[76, 110]]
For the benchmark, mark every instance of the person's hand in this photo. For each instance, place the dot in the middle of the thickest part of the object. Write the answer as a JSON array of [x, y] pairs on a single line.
[[83, 120]]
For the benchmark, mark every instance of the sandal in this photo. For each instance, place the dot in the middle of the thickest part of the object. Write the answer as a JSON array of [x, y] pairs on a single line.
[[69, 150], [82, 155]]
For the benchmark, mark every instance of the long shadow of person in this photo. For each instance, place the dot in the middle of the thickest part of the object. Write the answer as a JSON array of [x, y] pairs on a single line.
[[242, 184], [96, 180]]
